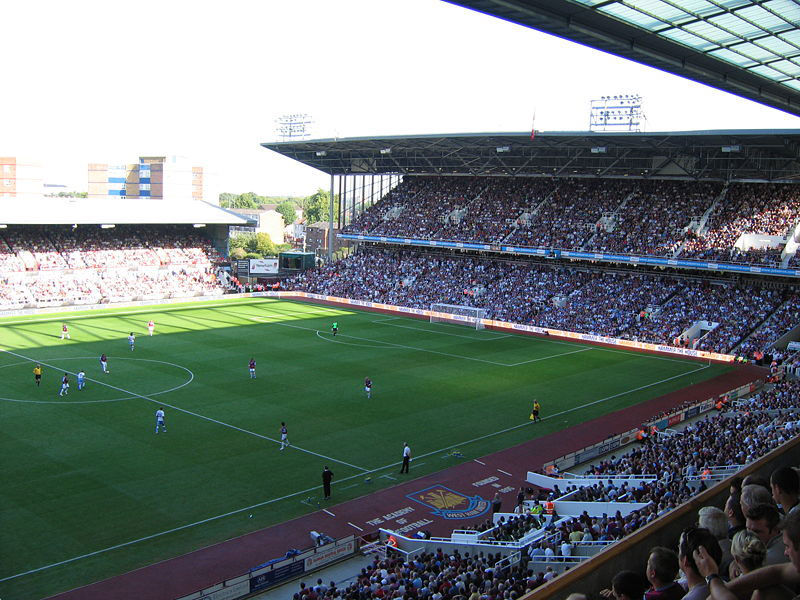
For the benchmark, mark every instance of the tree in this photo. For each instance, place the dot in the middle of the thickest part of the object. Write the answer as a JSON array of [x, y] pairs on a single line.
[[264, 245], [242, 240], [237, 253], [246, 200], [286, 209], [317, 206]]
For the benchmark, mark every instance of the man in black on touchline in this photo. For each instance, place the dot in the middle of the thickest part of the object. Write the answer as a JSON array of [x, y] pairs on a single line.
[[327, 477]]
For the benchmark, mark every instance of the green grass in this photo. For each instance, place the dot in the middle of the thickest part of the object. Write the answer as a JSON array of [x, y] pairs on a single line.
[[86, 473]]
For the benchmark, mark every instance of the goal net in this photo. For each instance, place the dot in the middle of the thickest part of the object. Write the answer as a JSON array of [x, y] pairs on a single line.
[[459, 315]]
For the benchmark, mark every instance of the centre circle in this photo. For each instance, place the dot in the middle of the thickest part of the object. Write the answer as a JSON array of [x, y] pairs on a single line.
[[189, 379]]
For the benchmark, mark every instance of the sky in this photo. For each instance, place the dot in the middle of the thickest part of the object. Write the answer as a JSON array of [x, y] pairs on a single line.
[[107, 81]]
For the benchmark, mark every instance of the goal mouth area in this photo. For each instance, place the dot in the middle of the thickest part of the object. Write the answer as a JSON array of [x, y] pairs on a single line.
[[455, 314]]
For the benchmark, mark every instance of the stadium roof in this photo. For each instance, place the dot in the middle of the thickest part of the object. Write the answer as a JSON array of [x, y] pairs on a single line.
[[90, 211], [770, 155], [750, 48]]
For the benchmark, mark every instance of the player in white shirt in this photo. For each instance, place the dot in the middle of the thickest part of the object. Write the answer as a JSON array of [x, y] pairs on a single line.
[[151, 327], [81, 380], [160, 419], [131, 340]]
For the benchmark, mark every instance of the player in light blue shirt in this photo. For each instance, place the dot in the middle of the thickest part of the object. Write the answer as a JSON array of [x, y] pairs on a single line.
[[81, 380], [131, 340]]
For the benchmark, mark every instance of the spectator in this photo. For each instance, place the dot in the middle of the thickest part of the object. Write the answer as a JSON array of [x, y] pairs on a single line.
[[691, 539], [662, 569], [764, 520]]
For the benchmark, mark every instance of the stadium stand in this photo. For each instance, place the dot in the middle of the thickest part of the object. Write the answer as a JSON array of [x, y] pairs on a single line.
[[52, 266], [650, 218], [665, 310]]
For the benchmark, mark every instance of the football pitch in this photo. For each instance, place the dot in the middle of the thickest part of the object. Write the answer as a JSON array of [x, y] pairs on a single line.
[[90, 490]]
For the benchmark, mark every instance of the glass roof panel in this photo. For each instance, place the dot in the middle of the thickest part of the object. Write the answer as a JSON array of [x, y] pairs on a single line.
[[631, 16], [791, 36], [787, 9], [778, 46], [731, 4], [736, 25], [688, 39], [792, 83], [763, 18], [786, 66], [661, 10], [769, 72], [755, 52], [702, 8], [711, 32], [732, 57], [588, 2]]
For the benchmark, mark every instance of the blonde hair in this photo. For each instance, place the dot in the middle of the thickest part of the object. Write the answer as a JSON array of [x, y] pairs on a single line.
[[748, 550]]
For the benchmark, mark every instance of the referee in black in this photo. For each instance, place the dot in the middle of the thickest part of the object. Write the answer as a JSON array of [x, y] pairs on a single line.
[[327, 477]]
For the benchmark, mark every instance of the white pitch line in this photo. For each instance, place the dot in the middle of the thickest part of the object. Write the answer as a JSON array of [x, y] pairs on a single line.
[[564, 412], [155, 308], [479, 462], [189, 412], [394, 345], [458, 335], [505, 472], [356, 526], [389, 476], [306, 491], [533, 360], [325, 510]]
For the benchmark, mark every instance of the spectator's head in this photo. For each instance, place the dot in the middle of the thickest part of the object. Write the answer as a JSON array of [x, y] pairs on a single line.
[[785, 484], [628, 585], [791, 538], [733, 510], [713, 519], [662, 566], [691, 539], [764, 520], [748, 550], [754, 493]]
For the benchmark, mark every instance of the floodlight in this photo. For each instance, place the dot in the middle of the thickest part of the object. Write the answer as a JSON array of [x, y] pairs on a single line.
[[107, 226], [321, 153], [503, 148], [386, 150], [735, 148], [3, 226], [198, 225], [599, 149]]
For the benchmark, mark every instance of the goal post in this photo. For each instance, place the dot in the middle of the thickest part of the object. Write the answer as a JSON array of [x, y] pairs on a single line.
[[458, 315]]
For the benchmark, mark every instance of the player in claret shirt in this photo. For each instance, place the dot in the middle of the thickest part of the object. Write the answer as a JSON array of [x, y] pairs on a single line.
[[252, 368], [368, 386]]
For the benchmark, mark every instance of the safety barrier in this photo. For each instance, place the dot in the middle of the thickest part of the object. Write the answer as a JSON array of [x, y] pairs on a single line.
[[278, 571]]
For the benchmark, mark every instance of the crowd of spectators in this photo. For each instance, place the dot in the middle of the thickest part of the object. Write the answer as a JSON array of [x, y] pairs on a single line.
[[784, 319], [123, 247], [766, 209], [46, 266], [639, 307], [641, 217], [431, 576]]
